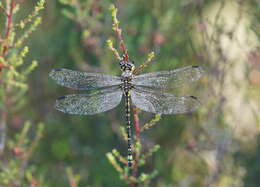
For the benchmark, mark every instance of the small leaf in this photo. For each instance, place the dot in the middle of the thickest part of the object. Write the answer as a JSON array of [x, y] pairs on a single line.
[[22, 25]]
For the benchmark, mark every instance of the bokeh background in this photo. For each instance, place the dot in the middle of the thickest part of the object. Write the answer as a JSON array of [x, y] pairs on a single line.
[[217, 145]]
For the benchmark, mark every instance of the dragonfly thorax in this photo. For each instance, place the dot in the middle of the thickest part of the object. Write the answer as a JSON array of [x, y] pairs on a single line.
[[127, 74], [126, 77]]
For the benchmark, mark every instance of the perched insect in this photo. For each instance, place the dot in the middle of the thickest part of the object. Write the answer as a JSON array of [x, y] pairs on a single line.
[[145, 91]]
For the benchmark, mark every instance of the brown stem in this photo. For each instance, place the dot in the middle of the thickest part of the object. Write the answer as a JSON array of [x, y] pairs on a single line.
[[10, 5], [119, 35]]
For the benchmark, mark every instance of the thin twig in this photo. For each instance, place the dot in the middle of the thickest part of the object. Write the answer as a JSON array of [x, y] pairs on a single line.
[[119, 157], [10, 7], [113, 49], [145, 64], [118, 32], [151, 122], [73, 179]]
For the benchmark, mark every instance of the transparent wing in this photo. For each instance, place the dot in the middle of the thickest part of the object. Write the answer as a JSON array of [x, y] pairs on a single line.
[[90, 103], [169, 79], [162, 103], [82, 80]]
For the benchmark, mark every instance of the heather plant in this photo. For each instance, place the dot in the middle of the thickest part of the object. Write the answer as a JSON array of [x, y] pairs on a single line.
[[17, 149]]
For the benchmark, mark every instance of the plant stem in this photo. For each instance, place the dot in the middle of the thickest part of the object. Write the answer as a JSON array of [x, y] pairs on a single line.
[[119, 35], [9, 7], [122, 43], [3, 122]]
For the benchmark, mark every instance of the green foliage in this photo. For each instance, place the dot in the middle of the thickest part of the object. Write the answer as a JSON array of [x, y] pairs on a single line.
[[14, 52], [151, 123], [15, 168], [16, 171], [115, 21]]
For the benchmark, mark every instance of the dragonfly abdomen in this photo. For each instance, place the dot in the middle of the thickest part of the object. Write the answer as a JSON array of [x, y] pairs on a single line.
[[126, 86], [128, 128]]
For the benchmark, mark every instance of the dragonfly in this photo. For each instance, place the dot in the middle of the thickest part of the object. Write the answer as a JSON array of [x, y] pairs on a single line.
[[147, 92]]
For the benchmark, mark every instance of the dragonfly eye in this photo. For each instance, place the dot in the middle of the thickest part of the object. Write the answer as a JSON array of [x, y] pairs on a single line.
[[122, 64], [130, 66]]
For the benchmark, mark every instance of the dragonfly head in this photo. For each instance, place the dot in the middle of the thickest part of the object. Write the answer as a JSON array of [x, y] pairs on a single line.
[[127, 65]]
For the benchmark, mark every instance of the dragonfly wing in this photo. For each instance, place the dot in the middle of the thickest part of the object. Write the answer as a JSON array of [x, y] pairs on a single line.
[[169, 79], [162, 103], [90, 103], [82, 80]]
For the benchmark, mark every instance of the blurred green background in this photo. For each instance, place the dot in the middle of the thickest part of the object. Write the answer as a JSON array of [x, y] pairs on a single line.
[[218, 145]]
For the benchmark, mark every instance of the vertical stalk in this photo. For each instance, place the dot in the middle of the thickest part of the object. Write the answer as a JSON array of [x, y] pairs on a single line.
[[8, 27], [3, 119]]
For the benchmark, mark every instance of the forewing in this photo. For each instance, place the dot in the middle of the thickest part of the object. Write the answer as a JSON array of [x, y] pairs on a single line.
[[82, 80], [90, 103], [162, 103], [169, 79]]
